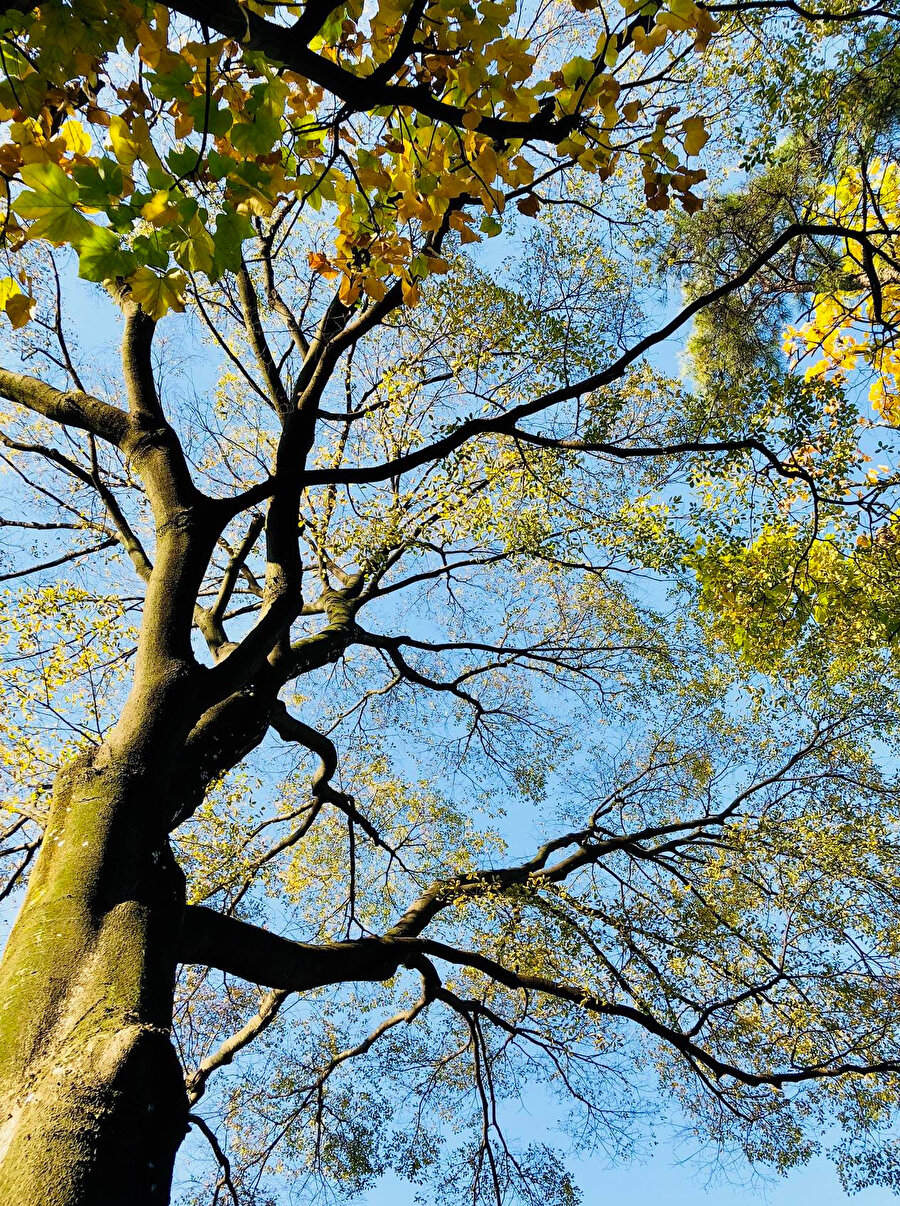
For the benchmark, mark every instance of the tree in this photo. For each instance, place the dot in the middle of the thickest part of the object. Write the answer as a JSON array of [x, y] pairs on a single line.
[[353, 493]]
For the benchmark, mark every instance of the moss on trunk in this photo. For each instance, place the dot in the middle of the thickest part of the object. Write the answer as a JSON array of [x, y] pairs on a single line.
[[92, 1102]]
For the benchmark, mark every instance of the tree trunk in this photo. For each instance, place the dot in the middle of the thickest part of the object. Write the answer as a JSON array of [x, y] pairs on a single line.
[[92, 1100]]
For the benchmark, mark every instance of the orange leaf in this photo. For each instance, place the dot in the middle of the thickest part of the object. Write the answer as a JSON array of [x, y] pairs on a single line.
[[322, 264]]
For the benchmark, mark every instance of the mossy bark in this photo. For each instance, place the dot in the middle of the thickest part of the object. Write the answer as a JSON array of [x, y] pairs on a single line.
[[92, 1101]]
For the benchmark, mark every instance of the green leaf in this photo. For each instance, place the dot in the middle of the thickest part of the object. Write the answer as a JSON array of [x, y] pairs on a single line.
[[27, 94], [50, 206], [217, 122], [100, 183], [253, 138], [171, 85], [265, 108], [182, 162], [102, 257], [152, 249], [231, 231], [158, 178], [196, 250], [578, 71], [219, 165]]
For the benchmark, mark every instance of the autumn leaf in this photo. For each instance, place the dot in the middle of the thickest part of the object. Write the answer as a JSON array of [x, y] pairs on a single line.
[[126, 148], [159, 209], [76, 138], [158, 293], [321, 264], [411, 295], [349, 290], [695, 135], [19, 306], [20, 310]]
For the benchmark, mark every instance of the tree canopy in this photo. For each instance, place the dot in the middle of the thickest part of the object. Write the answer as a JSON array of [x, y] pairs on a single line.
[[449, 592]]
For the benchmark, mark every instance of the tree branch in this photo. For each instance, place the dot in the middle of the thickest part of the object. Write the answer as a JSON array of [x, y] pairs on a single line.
[[137, 365], [254, 954], [507, 423], [225, 1053], [256, 335], [70, 408], [360, 94]]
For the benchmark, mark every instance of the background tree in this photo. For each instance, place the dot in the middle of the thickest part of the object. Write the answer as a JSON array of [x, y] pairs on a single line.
[[340, 665]]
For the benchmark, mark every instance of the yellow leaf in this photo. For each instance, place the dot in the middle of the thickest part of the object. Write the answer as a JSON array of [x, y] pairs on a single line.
[[349, 290], [158, 294], [645, 42], [199, 52], [125, 147], [76, 138], [695, 135], [184, 125], [321, 264], [20, 309], [438, 265], [134, 143], [9, 287], [375, 288], [672, 22], [158, 210], [410, 293]]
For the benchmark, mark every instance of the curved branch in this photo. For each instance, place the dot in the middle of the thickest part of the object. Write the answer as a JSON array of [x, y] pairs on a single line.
[[507, 423], [853, 14], [263, 958], [225, 1053]]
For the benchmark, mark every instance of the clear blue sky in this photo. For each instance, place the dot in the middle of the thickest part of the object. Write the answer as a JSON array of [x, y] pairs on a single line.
[[662, 1181]]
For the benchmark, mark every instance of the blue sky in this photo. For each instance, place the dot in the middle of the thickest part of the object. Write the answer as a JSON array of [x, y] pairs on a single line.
[[664, 1181]]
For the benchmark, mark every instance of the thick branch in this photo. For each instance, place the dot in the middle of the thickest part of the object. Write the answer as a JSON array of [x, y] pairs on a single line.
[[254, 954], [360, 94], [71, 408], [137, 365]]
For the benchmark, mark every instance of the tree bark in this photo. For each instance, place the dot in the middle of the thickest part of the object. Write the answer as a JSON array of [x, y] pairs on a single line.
[[92, 1099]]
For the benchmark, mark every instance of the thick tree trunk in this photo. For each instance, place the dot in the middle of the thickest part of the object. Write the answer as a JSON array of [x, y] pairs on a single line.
[[92, 1101]]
